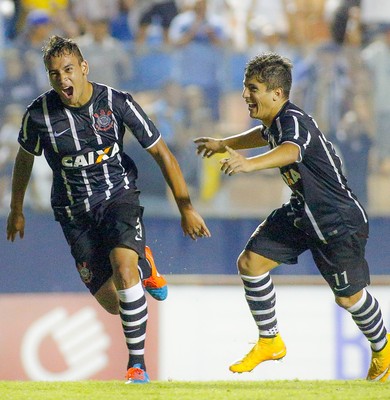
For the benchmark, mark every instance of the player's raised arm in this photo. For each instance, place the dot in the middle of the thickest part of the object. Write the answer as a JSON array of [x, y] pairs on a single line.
[[192, 223], [21, 175]]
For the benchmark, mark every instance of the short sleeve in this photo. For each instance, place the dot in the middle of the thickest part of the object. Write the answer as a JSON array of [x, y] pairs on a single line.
[[294, 131], [29, 135], [139, 123]]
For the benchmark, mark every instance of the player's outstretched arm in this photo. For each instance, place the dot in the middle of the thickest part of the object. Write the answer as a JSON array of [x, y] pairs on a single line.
[[192, 223], [208, 146], [21, 175]]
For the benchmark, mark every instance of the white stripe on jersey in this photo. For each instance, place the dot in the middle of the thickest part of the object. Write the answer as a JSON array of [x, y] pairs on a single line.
[[48, 124], [98, 137], [296, 127], [25, 126], [76, 140], [38, 146], [294, 111], [296, 135], [109, 90], [109, 183], [86, 182], [138, 115], [68, 212], [73, 129], [126, 179], [68, 190], [322, 140], [87, 205], [279, 128]]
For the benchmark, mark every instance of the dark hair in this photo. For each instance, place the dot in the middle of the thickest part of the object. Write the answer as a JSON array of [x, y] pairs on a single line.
[[57, 46], [271, 69]]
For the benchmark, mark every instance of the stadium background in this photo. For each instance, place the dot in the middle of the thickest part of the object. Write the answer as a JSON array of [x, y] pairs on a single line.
[[204, 324]]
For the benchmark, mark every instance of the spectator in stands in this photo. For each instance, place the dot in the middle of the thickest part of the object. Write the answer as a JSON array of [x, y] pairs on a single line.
[[121, 26], [345, 24], [106, 55], [59, 12], [324, 85], [354, 139], [263, 37], [158, 12], [376, 56], [29, 42], [19, 84], [9, 15], [8, 149], [87, 12], [167, 111], [198, 39], [198, 118]]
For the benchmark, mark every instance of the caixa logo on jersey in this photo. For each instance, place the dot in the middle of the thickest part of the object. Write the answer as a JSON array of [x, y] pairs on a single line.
[[90, 158], [103, 120]]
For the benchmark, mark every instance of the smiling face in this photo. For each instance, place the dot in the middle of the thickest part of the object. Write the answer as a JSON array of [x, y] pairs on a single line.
[[68, 77], [263, 103]]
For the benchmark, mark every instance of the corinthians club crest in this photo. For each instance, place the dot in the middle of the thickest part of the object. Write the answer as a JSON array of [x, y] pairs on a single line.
[[103, 120], [85, 273]]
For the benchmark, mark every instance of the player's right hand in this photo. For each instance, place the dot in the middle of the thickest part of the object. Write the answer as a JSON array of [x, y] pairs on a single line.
[[207, 146], [15, 224]]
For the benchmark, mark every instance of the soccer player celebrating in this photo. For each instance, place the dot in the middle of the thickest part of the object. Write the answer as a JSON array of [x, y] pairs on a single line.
[[80, 125], [323, 215]]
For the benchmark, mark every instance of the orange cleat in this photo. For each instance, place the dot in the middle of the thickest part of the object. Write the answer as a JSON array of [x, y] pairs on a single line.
[[155, 285], [136, 374]]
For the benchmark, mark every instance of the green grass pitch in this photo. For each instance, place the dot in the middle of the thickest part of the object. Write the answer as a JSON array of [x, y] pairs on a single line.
[[213, 390]]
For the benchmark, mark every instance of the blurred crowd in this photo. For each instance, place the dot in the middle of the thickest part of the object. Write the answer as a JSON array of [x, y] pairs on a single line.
[[183, 61]]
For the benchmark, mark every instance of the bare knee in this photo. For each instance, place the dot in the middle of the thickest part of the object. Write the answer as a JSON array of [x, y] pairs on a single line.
[[243, 263], [348, 301], [253, 264]]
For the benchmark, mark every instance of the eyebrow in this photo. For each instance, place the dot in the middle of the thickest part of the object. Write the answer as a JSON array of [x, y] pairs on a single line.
[[65, 67]]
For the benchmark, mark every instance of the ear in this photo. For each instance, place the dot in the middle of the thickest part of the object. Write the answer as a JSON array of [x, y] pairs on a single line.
[[84, 67], [278, 94]]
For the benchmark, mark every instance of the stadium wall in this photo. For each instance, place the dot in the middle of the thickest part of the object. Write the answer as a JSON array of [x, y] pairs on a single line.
[[201, 328], [192, 336], [41, 262]]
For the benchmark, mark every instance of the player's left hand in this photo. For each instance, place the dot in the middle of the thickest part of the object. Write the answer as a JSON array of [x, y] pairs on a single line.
[[193, 225], [235, 163], [15, 225]]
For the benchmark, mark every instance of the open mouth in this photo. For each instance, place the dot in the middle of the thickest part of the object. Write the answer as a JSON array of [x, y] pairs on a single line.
[[67, 92]]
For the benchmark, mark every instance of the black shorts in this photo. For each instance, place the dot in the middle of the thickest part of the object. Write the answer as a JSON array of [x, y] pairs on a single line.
[[91, 236], [341, 261]]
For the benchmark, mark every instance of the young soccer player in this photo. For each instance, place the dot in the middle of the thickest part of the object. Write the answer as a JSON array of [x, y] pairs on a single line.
[[323, 215], [80, 125]]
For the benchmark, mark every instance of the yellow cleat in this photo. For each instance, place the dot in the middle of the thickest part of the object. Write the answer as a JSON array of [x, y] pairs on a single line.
[[266, 349], [380, 364]]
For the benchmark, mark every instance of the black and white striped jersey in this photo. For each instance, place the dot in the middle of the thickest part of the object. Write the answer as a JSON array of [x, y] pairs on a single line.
[[84, 146], [323, 204]]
